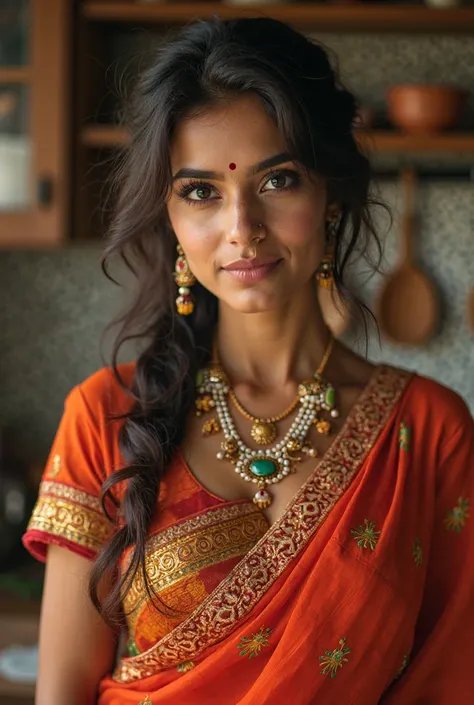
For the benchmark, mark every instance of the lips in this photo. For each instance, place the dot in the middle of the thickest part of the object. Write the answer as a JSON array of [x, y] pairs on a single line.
[[251, 271], [247, 264]]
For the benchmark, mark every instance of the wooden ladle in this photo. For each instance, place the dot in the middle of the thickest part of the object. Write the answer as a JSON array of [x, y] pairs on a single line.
[[470, 310], [408, 305]]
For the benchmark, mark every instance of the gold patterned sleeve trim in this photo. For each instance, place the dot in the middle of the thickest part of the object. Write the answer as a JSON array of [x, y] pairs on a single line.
[[66, 515]]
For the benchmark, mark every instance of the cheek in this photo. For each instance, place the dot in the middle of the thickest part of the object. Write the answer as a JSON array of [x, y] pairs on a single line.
[[303, 228], [197, 238]]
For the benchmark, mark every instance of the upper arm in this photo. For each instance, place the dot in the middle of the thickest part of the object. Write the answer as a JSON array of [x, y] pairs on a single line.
[[67, 529], [76, 648]]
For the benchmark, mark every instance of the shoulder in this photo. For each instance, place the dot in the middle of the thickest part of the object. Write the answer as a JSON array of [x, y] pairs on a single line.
[[105, 392], [438, 408]]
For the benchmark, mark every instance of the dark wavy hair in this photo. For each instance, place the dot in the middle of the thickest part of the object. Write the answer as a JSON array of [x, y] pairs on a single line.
[[209, 61]]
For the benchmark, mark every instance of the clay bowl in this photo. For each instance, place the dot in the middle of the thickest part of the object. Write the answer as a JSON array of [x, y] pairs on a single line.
[[425, 108]]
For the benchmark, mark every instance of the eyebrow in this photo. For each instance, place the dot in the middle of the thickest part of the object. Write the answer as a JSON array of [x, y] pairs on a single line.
[[189, 173]]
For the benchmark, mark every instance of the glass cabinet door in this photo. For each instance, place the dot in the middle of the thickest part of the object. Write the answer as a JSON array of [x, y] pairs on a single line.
[[15, 89]]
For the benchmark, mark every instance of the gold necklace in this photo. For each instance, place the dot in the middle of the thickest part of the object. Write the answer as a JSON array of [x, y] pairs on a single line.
[[264, 430], [269, 466]]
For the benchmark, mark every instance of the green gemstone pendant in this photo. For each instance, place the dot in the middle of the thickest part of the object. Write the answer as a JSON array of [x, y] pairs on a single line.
[[330, 397], [263, 468]]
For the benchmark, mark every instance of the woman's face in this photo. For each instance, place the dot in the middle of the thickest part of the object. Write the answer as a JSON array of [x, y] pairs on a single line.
[[231, 173]]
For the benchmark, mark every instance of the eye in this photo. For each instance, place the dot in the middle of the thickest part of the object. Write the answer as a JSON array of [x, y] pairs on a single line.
[[195, 192], [282, 180]]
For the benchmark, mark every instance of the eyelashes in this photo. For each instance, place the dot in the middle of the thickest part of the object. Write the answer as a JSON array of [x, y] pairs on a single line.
[[186, 189]]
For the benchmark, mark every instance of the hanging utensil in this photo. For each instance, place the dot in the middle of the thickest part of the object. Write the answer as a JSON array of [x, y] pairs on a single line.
[[408, 306], [470, 310]]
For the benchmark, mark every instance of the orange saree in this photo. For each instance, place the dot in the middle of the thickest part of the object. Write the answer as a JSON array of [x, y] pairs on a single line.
[[361, 593]]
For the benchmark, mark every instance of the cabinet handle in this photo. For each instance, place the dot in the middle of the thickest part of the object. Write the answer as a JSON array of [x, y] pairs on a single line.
[[44, 191]]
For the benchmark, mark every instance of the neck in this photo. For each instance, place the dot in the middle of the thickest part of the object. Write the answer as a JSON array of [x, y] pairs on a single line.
[[271, 349]]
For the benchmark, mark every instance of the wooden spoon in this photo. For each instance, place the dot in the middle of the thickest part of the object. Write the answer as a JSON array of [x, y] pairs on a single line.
[[336, 312], [470, 310], [408, 306]]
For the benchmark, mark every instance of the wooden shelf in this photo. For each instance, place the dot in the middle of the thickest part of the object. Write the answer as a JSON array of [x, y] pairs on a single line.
[[392, 142], [322, 17], [104, 136], [15, 74]]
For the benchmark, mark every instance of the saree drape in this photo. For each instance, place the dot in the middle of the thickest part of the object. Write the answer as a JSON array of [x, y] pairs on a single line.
[[361, 593]]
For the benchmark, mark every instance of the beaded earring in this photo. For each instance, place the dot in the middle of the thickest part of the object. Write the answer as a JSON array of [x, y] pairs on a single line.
[[325, 271], [184, 279]]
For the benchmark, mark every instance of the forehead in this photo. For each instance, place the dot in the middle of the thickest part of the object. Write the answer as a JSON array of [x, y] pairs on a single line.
[[238, 131]]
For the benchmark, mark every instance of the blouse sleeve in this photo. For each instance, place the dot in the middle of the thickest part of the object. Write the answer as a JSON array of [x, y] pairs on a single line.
[[68, 510], [440, 670]]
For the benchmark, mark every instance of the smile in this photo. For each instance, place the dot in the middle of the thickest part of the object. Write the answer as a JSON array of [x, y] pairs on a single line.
[[251, 270]]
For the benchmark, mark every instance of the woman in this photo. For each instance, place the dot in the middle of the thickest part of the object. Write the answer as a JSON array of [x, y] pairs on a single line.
[[281, 520]]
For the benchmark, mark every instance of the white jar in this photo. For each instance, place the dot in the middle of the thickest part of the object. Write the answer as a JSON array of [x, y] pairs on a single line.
[[15, 172]]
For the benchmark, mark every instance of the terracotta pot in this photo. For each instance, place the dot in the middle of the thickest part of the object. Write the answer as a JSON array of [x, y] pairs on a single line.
[[425, 108]]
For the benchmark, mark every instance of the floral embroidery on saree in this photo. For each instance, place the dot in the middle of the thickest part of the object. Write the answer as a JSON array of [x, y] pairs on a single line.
[[55, 467], [132, 648], [253, 645], [63, 511], [404, 437], [417, 552], [250, 579], [456, 518], [332, 661], [147, 701], [366, 536], [185, 666]]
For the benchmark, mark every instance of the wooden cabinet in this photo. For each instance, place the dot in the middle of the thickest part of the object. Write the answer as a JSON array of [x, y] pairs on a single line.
[[35, 89]]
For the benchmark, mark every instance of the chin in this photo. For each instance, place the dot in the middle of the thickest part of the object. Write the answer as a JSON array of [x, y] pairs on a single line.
[[253, 302]]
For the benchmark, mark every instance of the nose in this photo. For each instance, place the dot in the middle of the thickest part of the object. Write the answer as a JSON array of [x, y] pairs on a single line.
[[243, 224]]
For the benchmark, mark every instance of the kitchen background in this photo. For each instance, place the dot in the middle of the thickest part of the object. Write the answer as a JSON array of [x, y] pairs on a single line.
[[56, 301]]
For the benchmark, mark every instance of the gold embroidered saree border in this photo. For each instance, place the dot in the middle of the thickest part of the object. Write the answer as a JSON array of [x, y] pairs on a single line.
[[66, 512], [185, 549], [236, 596], [213, 515]]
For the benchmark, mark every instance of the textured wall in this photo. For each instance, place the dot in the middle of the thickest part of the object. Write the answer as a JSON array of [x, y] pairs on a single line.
[[444, 246], [56, 304]]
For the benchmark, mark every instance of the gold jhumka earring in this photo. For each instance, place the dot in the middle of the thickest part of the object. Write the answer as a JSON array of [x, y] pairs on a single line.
[[325, 271], [184, 279]]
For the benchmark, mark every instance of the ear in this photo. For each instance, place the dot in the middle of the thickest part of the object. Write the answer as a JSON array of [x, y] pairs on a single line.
[[333, 213]]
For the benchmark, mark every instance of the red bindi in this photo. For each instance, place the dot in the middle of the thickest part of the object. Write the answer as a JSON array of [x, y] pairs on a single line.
[[232, 166]]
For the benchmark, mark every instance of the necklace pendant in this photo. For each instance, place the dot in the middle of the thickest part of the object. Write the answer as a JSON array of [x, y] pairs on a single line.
[[322, 426], [211, 427], [264, 432], [262, 499], [203, 404]]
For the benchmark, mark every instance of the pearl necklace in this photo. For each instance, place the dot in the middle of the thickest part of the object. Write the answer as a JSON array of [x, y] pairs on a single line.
[[267, 466]]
